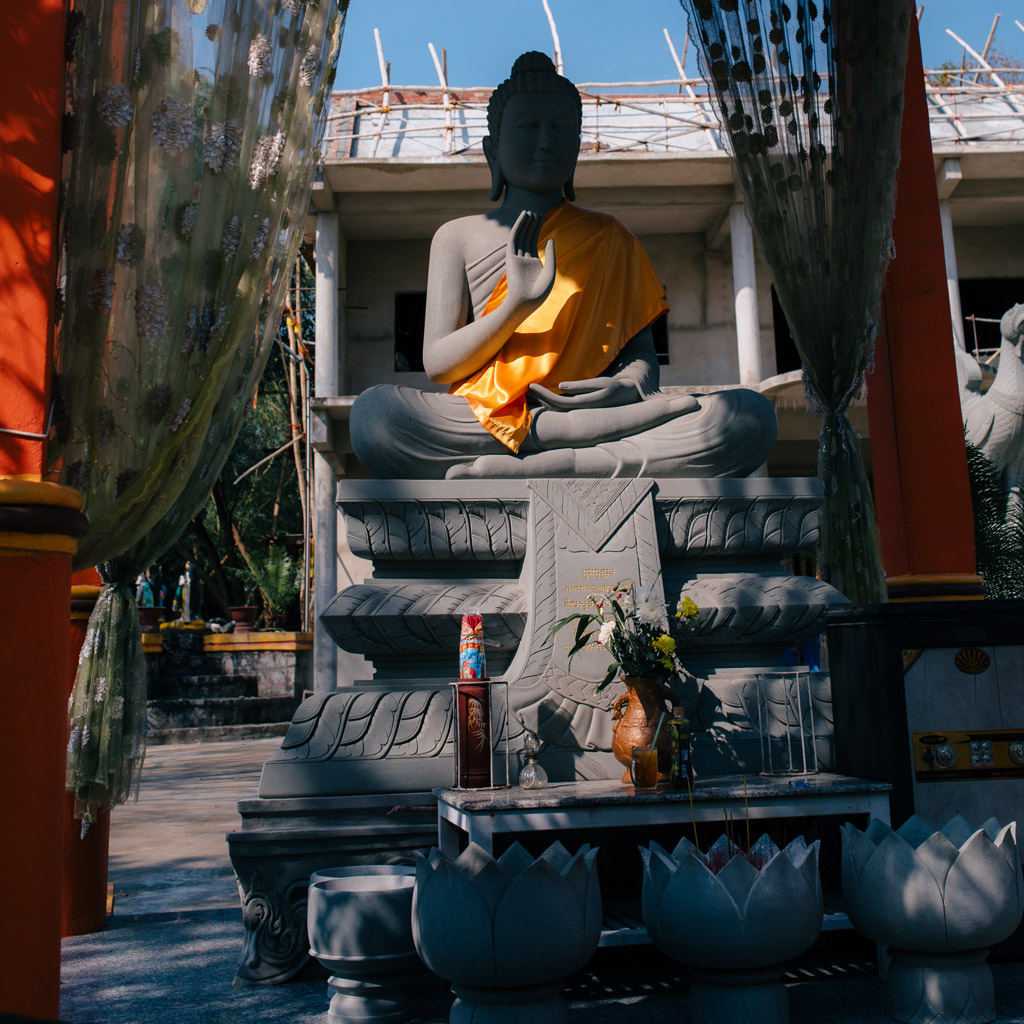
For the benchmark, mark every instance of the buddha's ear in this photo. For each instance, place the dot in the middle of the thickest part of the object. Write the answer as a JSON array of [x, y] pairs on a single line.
[[497, 178], [569, 189]]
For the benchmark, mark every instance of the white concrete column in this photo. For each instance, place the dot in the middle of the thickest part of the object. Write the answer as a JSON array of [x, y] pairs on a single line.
[[744, 282], [325, 531], [952, 277]]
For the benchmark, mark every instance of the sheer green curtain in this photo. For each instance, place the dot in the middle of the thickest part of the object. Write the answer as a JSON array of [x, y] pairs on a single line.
[[193, 132], [811, 98]]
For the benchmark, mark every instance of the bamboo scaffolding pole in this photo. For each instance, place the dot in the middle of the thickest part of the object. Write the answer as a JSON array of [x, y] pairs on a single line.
[[559, 67], [442, 75], [684, 82], [385, 99], [988, 42]]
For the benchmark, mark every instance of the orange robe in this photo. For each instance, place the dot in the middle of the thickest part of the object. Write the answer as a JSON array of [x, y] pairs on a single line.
[[605, 292]]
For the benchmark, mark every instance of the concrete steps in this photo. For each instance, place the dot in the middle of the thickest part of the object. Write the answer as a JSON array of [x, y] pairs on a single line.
[[196, 697]]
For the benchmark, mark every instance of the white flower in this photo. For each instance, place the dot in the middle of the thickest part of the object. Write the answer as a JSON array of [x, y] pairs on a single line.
[[100, 690], [115, 106], [606, 632], [75, 739], [151, 312], [259, 56], [173, 124], [649, 610], [117, 707]]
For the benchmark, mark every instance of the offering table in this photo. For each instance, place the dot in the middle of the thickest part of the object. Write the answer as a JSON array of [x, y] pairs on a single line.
[[482, 814]]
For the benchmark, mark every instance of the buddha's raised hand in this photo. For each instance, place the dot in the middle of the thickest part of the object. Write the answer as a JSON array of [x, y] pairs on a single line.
[[529, 280]]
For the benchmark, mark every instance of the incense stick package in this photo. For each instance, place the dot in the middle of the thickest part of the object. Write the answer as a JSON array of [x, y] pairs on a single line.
[[472, 662]]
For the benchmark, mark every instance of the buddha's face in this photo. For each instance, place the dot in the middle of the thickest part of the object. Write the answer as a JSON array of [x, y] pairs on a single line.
[[539, 141]]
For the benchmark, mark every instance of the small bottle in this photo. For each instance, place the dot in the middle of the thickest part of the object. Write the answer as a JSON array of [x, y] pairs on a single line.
[[533, 775], [679, 737]]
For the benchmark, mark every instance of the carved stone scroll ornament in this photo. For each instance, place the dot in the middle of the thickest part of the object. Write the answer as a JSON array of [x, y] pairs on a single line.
[[274, 946]]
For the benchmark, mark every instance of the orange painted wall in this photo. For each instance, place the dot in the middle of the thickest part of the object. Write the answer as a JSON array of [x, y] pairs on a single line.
[[33, 683], [31, 108]]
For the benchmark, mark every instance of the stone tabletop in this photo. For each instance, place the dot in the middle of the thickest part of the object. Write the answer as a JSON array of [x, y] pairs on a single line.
[[608, 793]]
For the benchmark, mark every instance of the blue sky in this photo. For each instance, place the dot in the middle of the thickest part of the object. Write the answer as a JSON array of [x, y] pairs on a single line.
[[601, 41]]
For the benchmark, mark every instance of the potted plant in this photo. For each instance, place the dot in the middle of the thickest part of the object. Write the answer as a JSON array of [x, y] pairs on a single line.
[[642, 637], [938, 899]]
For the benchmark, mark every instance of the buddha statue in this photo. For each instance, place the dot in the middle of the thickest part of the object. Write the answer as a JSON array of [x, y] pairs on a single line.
[[538, 317]]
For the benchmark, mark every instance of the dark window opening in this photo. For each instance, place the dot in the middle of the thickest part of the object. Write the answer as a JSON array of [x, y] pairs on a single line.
[[987, 298], [659, 331], [410, 312], [786, 356]]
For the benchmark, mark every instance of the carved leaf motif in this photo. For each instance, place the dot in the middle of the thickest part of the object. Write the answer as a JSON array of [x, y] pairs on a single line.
[[372, 724], [487, 531], [739, 526], [380, 617], [757, 608]]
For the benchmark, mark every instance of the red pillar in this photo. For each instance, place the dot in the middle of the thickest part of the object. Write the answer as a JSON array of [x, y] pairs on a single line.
[[919, 462], [38, 520]]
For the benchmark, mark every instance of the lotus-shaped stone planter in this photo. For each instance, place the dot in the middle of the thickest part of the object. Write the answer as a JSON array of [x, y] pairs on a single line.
[[733, 917], [360, 928], [505, 932], [938, 899]]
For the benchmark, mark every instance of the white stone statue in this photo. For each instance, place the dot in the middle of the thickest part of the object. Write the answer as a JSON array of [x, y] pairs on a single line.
[[994, 421]]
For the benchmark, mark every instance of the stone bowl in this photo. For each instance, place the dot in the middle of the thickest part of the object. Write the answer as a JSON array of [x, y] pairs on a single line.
[[359, 920]]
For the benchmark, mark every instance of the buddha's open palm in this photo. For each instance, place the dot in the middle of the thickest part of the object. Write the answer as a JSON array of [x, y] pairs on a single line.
[[529, 281]]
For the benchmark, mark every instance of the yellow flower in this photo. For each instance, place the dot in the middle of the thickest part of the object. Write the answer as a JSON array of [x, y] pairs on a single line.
[[666, 662], [687, 608], [664, 643]]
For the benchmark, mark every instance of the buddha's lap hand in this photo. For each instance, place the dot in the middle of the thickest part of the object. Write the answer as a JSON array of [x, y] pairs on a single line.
[[597, 393], [529, 281]]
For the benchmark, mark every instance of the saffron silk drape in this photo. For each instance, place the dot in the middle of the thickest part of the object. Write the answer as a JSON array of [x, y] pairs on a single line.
[[605, 292], [194, 131], [811, 98]]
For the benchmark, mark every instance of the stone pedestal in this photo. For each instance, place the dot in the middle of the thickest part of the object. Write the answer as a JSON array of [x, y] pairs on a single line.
[[526, 553]]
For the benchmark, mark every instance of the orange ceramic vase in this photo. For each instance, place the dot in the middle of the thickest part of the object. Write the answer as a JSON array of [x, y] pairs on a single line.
[[635, 716]]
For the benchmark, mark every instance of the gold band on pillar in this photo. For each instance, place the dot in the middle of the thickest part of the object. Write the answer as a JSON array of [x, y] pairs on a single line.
[[37, 516], [936, 587]]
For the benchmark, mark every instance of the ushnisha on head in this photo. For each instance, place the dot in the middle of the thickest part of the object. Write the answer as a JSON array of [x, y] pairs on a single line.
[[534, 119]]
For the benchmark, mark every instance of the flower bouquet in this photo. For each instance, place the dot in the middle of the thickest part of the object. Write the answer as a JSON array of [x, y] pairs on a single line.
[[637, 629], [642, 637]]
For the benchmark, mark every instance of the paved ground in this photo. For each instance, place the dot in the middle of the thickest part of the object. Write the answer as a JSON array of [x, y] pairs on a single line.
[[171, 948]]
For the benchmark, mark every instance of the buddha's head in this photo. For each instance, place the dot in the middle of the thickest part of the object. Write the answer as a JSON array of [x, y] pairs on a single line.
[[534, 119]]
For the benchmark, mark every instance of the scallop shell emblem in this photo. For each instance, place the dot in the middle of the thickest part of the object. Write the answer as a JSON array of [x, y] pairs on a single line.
[[972, 660]]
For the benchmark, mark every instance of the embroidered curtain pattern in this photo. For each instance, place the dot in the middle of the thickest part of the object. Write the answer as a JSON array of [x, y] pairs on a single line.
[[811, 98], [193, 135]]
